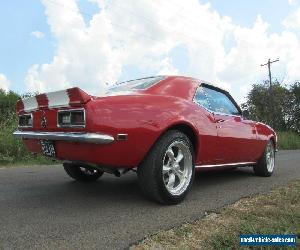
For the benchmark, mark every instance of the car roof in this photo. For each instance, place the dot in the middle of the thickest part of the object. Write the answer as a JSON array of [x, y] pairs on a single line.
[[171, 85], [176, 76], [200, 81]]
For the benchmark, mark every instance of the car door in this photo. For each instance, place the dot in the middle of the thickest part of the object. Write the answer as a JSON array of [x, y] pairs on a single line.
[[236, 137], [206, 125]]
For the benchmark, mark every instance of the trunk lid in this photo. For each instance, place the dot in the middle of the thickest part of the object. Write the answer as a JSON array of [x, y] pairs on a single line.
[[73, 97]]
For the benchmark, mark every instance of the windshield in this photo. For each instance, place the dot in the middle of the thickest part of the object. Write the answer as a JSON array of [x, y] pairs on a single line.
[[138, 84]]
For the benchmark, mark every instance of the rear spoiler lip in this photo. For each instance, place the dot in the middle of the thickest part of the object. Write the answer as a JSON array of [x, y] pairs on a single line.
[[73, 97]]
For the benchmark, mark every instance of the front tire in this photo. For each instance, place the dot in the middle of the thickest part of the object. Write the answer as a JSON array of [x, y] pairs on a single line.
[[82, 173], [166, 174], [266, 164]]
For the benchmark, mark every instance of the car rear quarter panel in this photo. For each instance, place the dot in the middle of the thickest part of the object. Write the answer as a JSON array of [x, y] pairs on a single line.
[[143, 117]]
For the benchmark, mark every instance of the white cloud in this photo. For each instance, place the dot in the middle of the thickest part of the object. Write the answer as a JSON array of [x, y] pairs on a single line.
[[143, 33], [292, 2], [4, 83], [293, 20], [37, 34], [255, 46]]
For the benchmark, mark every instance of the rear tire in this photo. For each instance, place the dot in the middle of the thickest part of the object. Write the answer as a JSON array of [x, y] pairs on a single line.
[[266, 164], [167, 173], [80, 173]]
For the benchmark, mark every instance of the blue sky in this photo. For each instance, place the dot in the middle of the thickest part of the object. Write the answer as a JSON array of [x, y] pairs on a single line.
[[21, 47], [18, 49], [245, 12]]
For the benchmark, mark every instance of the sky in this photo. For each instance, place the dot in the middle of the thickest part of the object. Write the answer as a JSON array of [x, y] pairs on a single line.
[[50, 45]]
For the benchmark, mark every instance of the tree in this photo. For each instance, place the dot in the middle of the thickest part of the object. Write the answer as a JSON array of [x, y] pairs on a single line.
[[7, 105], [294, 111], [281, 110]]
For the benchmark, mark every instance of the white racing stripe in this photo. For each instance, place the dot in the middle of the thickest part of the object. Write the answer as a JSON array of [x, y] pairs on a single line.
[[30, 104], [58, 99]]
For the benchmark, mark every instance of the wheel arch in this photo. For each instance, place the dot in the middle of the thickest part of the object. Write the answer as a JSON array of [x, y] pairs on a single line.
[[189, 130]]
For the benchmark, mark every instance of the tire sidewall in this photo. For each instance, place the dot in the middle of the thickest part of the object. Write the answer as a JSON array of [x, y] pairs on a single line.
[[164, 145], [268, 173], [261, 169]]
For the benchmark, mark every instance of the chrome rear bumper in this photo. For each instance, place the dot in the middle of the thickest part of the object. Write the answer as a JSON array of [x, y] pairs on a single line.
[[66, 136]]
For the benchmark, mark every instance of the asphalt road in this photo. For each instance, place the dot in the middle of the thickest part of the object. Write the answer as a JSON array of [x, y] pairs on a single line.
[[41, 207]]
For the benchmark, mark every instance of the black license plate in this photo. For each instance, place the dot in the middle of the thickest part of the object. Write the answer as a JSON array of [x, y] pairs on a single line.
[[48, 148]]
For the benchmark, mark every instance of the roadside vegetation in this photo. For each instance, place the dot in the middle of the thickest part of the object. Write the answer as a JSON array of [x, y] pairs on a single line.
[[288, 140], [12, 151], [275, 213], [278, 107], [281, 110]]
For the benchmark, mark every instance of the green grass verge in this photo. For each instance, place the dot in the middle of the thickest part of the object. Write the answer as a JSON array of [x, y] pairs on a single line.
[[288, 140], [30, 161], [12, 150], [275, 213]]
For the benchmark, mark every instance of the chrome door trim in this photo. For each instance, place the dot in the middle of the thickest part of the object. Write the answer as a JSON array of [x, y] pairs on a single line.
[[226, 165]]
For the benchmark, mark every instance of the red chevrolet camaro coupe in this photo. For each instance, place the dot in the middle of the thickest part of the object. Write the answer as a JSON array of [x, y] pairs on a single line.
[[164, 128]]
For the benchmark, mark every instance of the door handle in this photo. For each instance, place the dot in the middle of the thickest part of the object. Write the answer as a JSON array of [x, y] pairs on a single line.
[[219, 120]]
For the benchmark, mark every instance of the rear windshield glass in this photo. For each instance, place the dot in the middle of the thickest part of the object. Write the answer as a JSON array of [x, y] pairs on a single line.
[[138, 84]]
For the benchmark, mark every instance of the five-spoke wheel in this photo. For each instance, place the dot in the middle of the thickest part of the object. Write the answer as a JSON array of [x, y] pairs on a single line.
[[177, 167], [167, 173]]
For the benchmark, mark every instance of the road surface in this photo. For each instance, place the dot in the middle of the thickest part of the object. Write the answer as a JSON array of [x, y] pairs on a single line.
[[42, 208]]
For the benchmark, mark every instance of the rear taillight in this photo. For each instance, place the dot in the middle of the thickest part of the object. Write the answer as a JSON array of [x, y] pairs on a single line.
[[71, 118], [25, 121]]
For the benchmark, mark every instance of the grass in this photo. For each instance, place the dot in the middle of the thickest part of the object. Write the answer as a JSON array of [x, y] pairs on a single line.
[[288, 140], [29, 161], [275, 213], [12, 150]]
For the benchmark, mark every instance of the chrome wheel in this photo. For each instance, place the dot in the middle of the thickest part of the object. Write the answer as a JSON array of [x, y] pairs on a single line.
[[270, 157], [177, 168]]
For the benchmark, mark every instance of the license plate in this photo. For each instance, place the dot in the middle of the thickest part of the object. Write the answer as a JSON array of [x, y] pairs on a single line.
[[48, 148]]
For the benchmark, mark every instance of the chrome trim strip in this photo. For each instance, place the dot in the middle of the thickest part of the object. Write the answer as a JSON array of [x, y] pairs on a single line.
[[65, 136], [226, 165]]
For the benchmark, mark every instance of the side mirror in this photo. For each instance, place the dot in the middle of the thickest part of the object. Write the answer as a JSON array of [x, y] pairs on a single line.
[[246, 114]]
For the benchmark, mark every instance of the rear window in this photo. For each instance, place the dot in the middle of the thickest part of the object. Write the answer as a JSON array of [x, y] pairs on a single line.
[[138, 84]]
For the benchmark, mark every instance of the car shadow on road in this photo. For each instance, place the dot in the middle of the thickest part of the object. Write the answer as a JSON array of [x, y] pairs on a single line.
[[110, 189], [207, 177]]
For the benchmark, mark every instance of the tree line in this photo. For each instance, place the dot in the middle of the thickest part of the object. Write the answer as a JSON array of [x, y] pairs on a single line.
[[278, 106]]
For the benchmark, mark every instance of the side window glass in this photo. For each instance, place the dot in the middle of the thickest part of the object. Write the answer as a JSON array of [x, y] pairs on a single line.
[[229, 107], [220, 103], [200, 98]]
